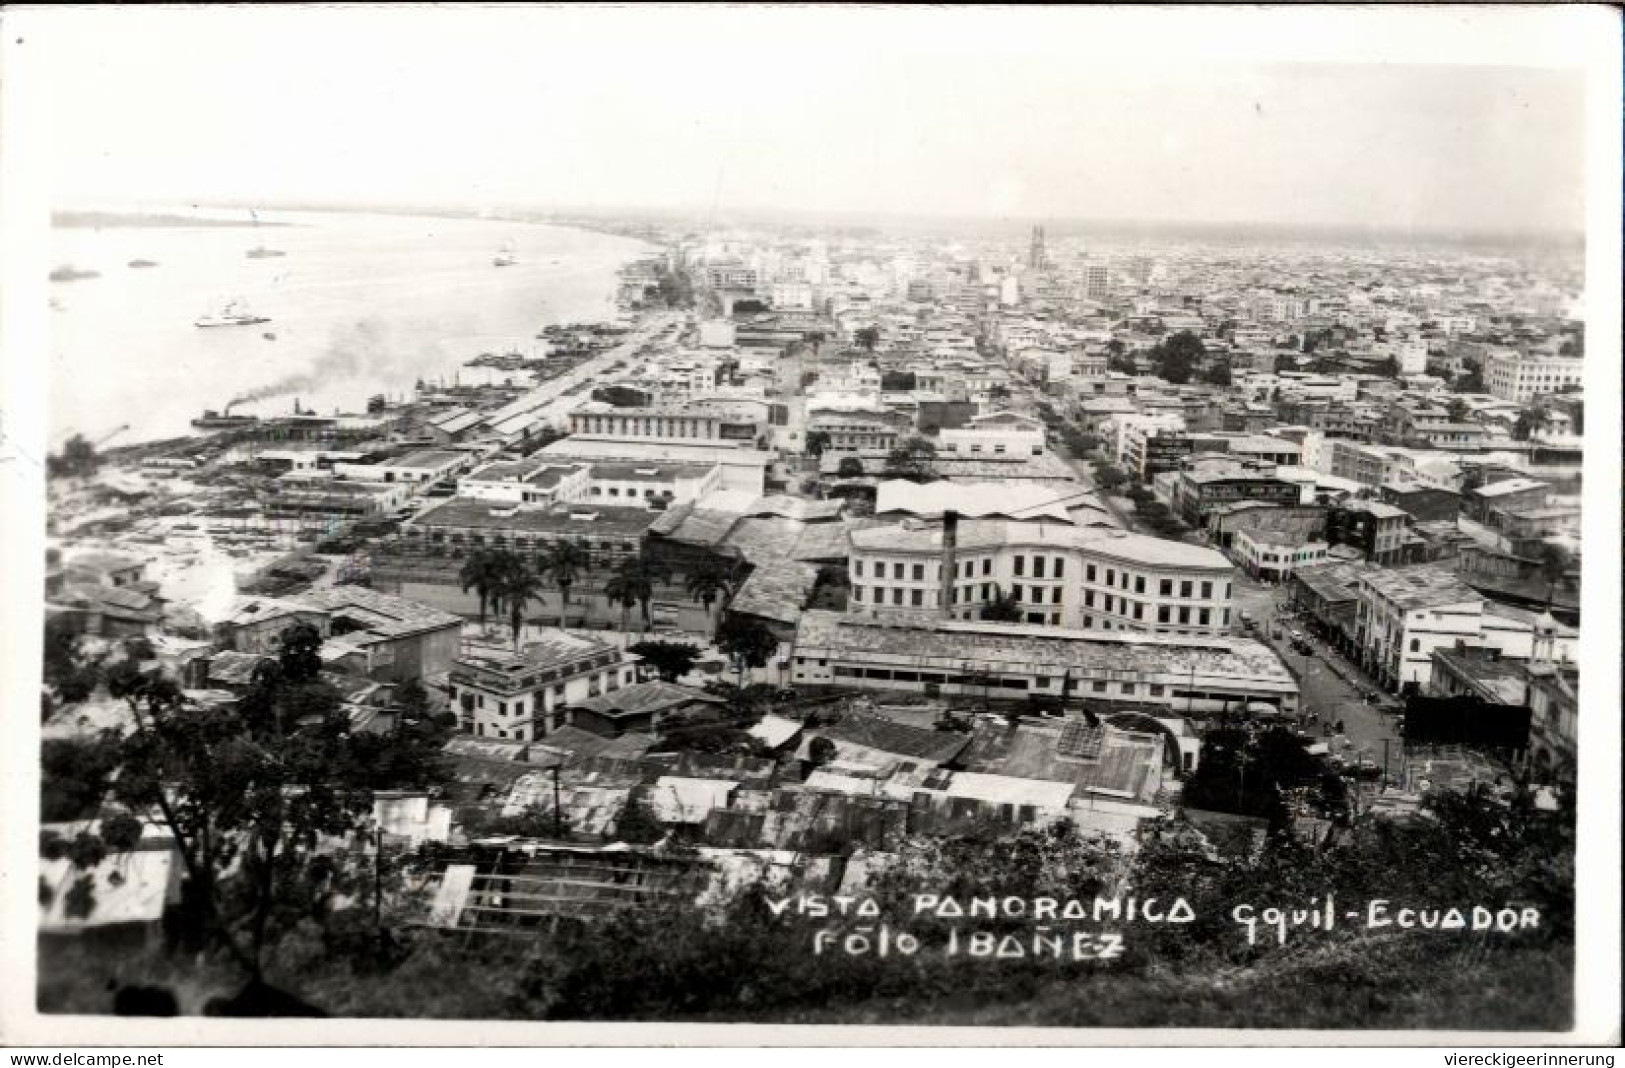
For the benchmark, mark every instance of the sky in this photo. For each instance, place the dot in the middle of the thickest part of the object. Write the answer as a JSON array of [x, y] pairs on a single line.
[[1394, 118]]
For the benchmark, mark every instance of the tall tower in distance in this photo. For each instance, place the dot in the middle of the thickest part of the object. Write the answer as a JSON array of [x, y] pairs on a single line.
[[1037, 257]]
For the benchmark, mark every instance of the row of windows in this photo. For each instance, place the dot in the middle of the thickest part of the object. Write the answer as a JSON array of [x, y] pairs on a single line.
[[1059, 566], [1125, 689], [1166, 614], [1186, 588]]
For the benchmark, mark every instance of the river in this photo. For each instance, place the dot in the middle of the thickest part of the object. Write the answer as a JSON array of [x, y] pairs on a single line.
[[359, 304]]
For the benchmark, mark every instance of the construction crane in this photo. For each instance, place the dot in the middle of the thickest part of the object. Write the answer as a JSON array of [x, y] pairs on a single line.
[[109, 436], [105, 438]]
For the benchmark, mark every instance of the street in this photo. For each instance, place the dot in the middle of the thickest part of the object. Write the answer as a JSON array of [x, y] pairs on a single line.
[[1326, 693]]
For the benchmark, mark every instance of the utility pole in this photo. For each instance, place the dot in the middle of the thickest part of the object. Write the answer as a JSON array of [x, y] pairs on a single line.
[[378, 882], [558, 821], [1385, 742]]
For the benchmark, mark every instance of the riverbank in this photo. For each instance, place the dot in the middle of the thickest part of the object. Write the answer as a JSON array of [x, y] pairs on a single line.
[[357, 305]]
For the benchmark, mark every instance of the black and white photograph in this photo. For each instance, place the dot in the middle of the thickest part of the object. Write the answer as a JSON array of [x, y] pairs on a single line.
[[1010, 521]]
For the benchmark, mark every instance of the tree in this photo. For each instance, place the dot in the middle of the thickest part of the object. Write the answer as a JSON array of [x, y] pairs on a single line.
[[1002, 609], [78, 459], [1554, 565], [672, 660], [867, 337], [249, 793], [633, 585], [1283, 362], [1217, 374], [1109, 477], [706, 583], [817, 441], [898, 381], [563, 562], [71, 674], [1457, 410], [1468, 382], [484, 572], [911, 459], [1388, 368], [849, 467], [821, 751], [1123, 364], [1178, 356], [520, 585], [746, 643], [1530, 422], [637, 823], [999, 392]]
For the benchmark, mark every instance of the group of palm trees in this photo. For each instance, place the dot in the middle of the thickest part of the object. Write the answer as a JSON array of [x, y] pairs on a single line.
[[506, 581]]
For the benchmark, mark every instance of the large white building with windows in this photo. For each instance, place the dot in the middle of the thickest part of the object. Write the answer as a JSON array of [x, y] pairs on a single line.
[[520, 697], [1084, 578], [1513, 376]]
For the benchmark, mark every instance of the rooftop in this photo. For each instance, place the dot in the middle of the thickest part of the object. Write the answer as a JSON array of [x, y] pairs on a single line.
[[426, 458], [541, 473], [605, 520], [889, 736], [776, 590], [973, 500], [1506, 486], [1055, 650], [642, 697], [600, 447], [652, 471], [1423, 586], [981, 534], [555, 649], [374, 613]]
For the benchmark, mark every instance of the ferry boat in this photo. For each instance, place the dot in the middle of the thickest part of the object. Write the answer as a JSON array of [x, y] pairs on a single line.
[[213, 420], [231, 315]]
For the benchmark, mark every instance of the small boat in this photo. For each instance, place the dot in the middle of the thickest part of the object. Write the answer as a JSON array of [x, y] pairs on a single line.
[[232, 314], [260, 252], [70, 273], [142, 263], [505, 257], [268, 336]]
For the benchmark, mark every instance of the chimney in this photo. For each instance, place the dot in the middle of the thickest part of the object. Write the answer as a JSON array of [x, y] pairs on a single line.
[[950, 561]]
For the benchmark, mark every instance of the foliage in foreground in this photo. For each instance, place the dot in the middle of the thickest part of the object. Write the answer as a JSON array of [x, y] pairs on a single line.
[[747, 963]]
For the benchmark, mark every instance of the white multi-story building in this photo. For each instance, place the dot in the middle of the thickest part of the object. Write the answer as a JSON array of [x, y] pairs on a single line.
[[1515, 377], [1057, 574], [791, 295], [520, 697], [1125, 434], [531, 481], [657, 484], [995, 434], [1274, 556], [1403, 614]]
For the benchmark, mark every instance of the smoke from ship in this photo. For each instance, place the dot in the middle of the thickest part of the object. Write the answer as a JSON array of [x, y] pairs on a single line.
[[356, 351]]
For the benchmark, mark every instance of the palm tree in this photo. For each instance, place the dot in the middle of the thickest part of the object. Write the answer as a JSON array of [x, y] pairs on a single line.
[[563, 562], [706, 582], [482, 572], [520, 585], [626, 589]]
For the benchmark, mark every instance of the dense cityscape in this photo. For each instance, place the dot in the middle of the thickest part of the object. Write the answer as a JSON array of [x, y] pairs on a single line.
[[844, 564]]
